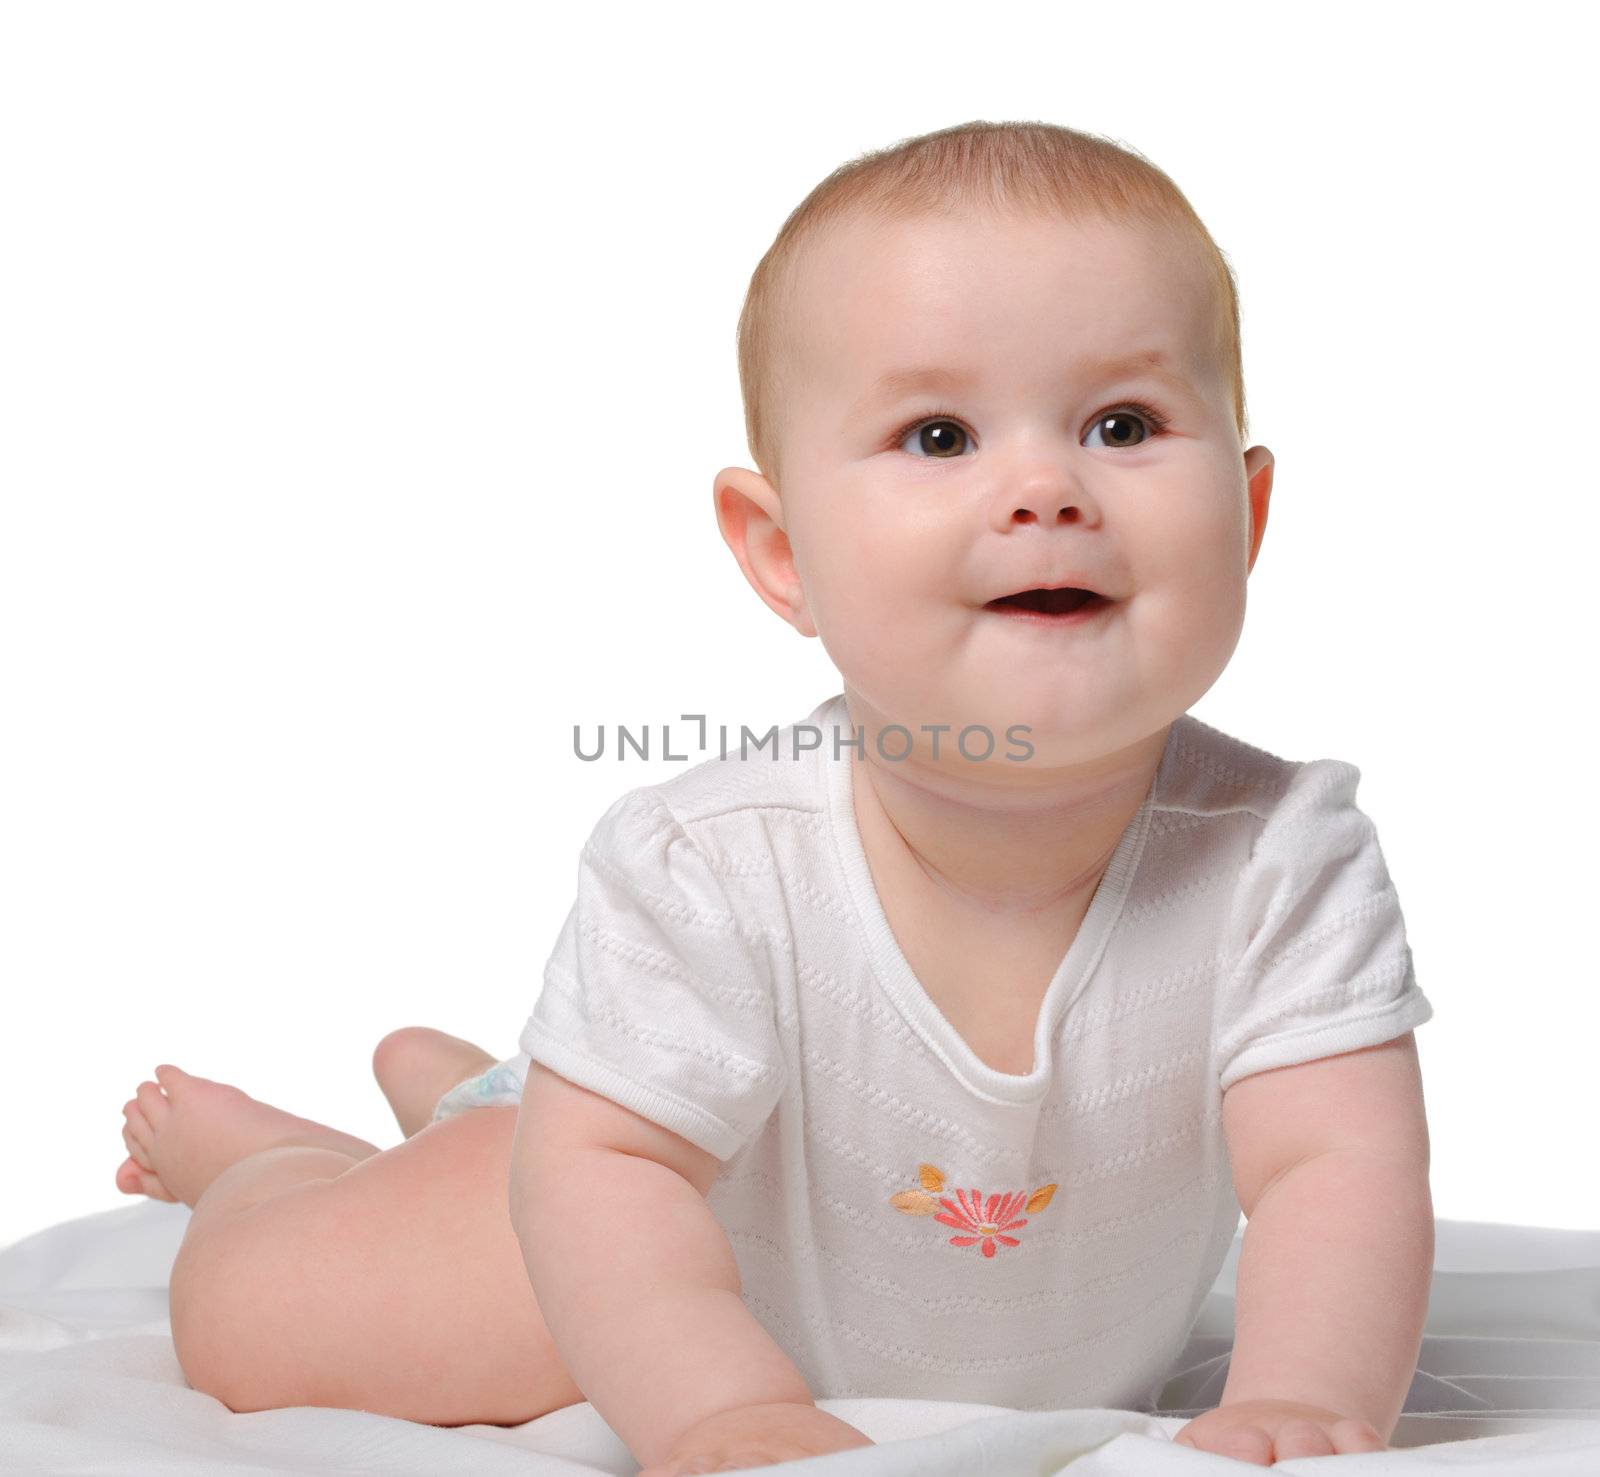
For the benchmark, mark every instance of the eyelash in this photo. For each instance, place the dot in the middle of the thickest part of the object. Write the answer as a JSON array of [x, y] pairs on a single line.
[[1158, 423]]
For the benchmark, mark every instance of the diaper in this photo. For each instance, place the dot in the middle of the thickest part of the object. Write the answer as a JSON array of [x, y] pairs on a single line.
[[499, 1086]]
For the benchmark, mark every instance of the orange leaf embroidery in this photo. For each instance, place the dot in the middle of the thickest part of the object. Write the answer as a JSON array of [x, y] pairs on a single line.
[[987, 1219]]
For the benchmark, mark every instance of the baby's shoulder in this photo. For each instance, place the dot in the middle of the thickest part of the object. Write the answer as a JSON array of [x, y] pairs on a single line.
[[739, 802], [1286, 822], [1207, 772]]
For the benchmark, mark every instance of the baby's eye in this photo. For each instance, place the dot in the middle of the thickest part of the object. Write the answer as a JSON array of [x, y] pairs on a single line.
[[943, 438], [1125, 421]]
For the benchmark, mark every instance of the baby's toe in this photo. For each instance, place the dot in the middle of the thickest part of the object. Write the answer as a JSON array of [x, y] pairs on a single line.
[[155, 1189], [154, 1102], [175, 1079], [136, 1132], [134, 1179], [137, 1138]]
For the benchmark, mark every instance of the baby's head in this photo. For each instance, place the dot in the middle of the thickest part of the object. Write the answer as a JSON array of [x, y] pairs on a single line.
[[1083, 424]]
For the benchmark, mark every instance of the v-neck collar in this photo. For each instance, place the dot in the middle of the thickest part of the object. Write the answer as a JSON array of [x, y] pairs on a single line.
[[894, 971]]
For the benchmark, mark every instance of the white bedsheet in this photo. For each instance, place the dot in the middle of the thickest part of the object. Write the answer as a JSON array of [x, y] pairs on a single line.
[[89, 1384]]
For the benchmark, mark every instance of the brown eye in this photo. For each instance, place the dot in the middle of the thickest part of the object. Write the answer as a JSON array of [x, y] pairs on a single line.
[[939, 439], [1124, 428]]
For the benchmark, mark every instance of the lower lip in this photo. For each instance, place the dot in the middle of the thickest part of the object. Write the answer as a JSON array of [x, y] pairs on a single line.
[[1079, 617]]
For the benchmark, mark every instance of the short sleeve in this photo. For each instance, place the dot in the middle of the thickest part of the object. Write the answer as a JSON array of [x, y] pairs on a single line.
[[1322, 965], [657, 993]]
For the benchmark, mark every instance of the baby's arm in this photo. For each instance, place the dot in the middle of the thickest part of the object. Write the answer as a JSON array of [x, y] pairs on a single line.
[[1330, 1164], [631, 1271]]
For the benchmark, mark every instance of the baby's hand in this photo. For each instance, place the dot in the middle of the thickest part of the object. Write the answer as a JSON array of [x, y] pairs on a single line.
[[1266, 1431], [757, 1436]]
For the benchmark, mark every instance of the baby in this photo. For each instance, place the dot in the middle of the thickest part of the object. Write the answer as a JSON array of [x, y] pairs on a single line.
[[929, 1045]]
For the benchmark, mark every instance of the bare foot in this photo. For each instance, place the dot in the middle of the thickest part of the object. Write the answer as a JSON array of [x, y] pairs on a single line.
[[182, 1133]]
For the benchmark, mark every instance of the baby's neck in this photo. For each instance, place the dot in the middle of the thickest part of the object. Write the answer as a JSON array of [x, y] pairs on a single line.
[[990, 850]]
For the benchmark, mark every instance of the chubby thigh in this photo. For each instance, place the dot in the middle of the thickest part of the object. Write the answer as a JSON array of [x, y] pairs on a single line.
[[397, 1287]]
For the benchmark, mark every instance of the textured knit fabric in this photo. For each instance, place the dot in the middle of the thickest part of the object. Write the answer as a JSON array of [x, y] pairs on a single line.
[[907, 1221]]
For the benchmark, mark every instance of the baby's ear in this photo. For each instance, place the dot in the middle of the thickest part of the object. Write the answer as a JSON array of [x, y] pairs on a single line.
[[1258, 466], [750, 515]]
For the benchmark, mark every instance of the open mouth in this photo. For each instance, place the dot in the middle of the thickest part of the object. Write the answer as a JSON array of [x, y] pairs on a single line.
[[1064, 602]]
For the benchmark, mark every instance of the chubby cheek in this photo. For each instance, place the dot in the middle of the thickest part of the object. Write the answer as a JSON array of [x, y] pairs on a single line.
[[877, 595], [1184, 635], [1191, 602]]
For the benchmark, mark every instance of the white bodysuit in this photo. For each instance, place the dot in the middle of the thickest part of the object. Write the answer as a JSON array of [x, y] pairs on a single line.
[[908, 1221]]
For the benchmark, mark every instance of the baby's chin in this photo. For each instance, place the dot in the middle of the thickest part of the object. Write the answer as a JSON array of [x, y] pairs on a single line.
[[1011, 722]]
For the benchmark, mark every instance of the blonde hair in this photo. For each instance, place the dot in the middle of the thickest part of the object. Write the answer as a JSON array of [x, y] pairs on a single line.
[[1030, 167]]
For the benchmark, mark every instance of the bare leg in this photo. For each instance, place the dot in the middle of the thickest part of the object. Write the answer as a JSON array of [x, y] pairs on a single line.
[[416, 1065], [220, 1126], [327, 1272]]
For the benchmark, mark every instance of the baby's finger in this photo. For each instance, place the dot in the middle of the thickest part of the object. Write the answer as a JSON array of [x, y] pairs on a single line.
[[1355, 1436], [1244, 1444], [1300, 1438]]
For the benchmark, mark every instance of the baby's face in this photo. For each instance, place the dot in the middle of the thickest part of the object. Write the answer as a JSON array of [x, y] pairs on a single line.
[[909, 509]]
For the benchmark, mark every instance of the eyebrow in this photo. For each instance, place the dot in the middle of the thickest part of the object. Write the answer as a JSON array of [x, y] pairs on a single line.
[[897, 382]]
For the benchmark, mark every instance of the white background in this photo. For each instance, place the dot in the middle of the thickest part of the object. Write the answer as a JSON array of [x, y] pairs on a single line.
[[363, 375]]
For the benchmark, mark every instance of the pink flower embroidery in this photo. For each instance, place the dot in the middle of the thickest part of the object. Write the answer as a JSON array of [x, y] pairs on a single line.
[[987, 1219]]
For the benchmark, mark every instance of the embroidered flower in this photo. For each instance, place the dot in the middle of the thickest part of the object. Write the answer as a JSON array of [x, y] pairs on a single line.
[[987, 1219]]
